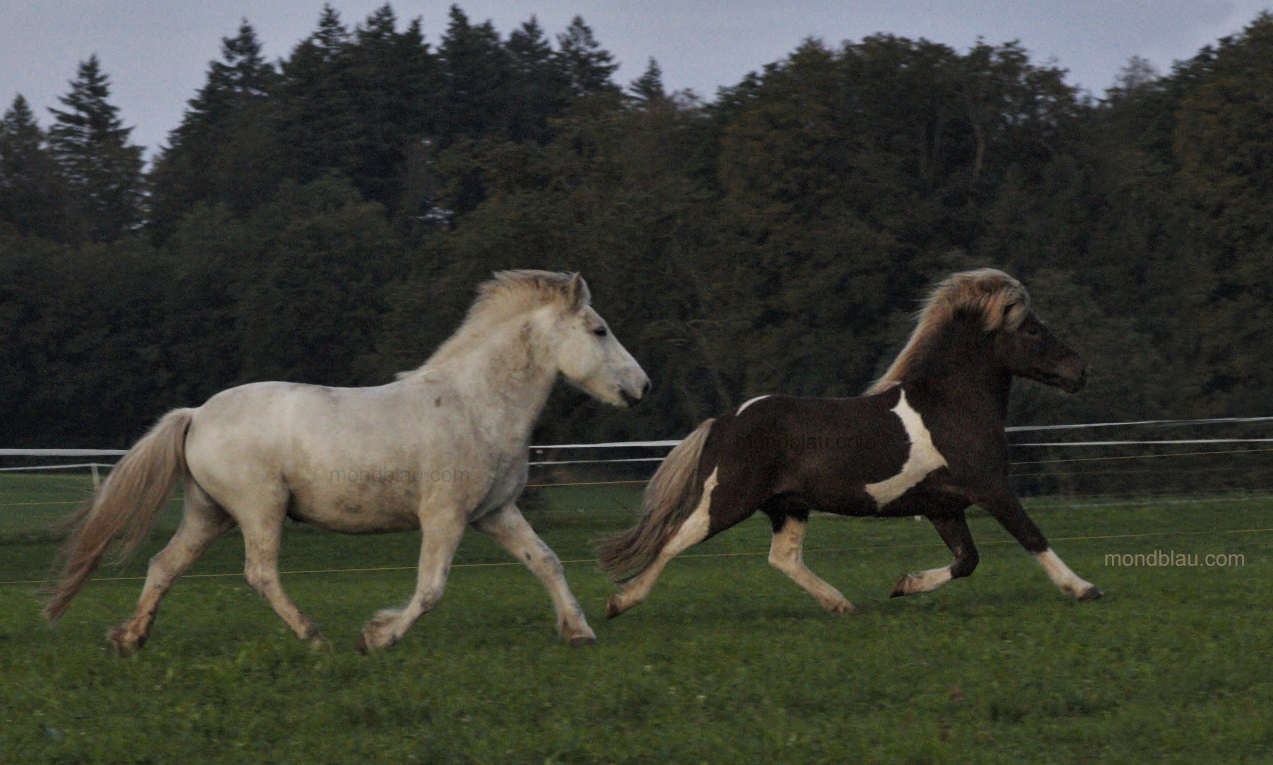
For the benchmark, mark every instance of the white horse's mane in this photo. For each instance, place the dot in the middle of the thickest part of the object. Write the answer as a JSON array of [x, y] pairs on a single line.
[[508, 294]]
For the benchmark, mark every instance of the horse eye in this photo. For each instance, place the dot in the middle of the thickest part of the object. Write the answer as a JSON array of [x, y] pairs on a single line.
[[1032, 331], [600, 331]]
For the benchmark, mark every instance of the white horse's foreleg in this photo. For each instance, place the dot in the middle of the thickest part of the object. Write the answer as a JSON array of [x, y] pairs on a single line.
[[202, 522], [441, 535], [262, 539], [509, 528], [786, 554]]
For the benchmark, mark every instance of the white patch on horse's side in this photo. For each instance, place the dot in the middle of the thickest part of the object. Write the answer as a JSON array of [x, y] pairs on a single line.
[[694, 529], [749, 403], [1061, 575], [922, 460]]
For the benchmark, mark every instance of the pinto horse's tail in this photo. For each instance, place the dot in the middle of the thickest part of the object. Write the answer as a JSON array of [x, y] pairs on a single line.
[[670, 498], [124, 507]]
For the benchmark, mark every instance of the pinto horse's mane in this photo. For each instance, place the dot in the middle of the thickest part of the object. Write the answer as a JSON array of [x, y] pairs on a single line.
[[986, 292], [508, 294]]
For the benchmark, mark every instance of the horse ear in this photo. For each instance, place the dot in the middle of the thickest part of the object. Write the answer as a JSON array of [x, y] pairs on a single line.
[[577, 293]]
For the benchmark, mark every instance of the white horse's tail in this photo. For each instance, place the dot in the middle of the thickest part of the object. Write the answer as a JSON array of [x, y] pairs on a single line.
[[124, 507], [670, 498]]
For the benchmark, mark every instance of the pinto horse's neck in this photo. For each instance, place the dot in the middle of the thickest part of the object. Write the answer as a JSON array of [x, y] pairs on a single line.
[[960, 370]]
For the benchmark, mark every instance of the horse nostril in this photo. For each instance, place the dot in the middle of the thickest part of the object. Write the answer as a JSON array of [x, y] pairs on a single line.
[[645, 389]]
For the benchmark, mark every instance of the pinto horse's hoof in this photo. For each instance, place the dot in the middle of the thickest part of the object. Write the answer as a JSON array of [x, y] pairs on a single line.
[[1092, 593], [612, 607], [899, 589], [577, 641]]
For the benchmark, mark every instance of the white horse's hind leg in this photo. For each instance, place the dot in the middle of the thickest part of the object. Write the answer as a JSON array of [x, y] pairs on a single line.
[[262, 539], [786, 554], [202, 522], [441, 535], [507, 527]]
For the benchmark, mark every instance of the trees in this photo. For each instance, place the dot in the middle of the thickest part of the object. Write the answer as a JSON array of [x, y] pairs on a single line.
[[326, 219]]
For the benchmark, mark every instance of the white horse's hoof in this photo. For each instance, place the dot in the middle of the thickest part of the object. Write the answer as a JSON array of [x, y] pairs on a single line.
[[580, 636], [122, 643], [842, 607]]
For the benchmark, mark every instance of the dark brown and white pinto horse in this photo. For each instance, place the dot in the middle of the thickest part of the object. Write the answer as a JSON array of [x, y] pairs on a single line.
[[926, 439]]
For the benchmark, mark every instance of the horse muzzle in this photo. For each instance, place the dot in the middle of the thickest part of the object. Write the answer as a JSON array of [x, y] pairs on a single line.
[[1073, 381], [631, 400]]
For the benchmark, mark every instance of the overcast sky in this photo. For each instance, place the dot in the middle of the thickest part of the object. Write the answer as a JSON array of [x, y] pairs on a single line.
[[157, 51]]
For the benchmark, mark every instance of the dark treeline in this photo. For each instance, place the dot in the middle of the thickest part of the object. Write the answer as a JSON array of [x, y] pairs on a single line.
[[325, 217]]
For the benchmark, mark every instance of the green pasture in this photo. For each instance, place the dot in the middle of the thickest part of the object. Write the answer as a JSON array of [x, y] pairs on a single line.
[[727, 662]]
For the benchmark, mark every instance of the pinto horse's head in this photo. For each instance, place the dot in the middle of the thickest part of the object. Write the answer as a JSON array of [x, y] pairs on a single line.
[[1027, 348]]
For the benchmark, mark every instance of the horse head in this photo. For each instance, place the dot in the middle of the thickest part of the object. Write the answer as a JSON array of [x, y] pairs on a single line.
[[588, 354], [1028, 348]]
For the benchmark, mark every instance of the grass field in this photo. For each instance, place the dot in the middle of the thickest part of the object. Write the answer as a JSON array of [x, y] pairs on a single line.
[[727, 662]]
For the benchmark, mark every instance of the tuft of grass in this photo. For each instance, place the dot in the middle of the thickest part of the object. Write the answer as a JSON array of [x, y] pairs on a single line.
[[727, 662]]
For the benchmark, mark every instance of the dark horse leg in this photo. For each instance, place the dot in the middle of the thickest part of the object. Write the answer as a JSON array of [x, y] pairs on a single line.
[[1007, 509], [953, 528], [786, 555]]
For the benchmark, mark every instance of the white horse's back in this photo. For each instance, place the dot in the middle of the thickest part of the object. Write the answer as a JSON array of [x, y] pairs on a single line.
[[355, 460]]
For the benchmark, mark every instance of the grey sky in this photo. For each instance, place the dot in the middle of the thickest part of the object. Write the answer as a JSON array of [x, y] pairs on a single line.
[[157, 52]]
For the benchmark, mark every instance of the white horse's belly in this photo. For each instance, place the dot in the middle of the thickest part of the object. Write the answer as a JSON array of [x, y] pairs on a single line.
[[362, 504]]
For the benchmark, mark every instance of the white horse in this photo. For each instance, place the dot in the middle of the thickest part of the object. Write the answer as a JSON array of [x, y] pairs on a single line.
[[442, 448]]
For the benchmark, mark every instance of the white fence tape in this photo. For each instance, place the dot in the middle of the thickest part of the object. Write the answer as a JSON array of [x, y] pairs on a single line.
[[674, 442]]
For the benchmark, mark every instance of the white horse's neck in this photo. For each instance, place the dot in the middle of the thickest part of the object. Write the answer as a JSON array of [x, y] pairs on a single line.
[[504, 382]]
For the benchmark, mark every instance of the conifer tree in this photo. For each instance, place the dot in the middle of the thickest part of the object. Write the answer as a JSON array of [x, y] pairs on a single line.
[[101, 169], [587, 65], [478, 74], [30, 189], [540, 89], [648, 88], [222, 149]]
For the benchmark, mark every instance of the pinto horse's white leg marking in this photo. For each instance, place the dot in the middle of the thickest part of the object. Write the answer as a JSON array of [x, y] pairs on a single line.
[[692, 531], [749, 403], [509, 528], [786, 554], [1063, 577], [923, 581], [922, 460]]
